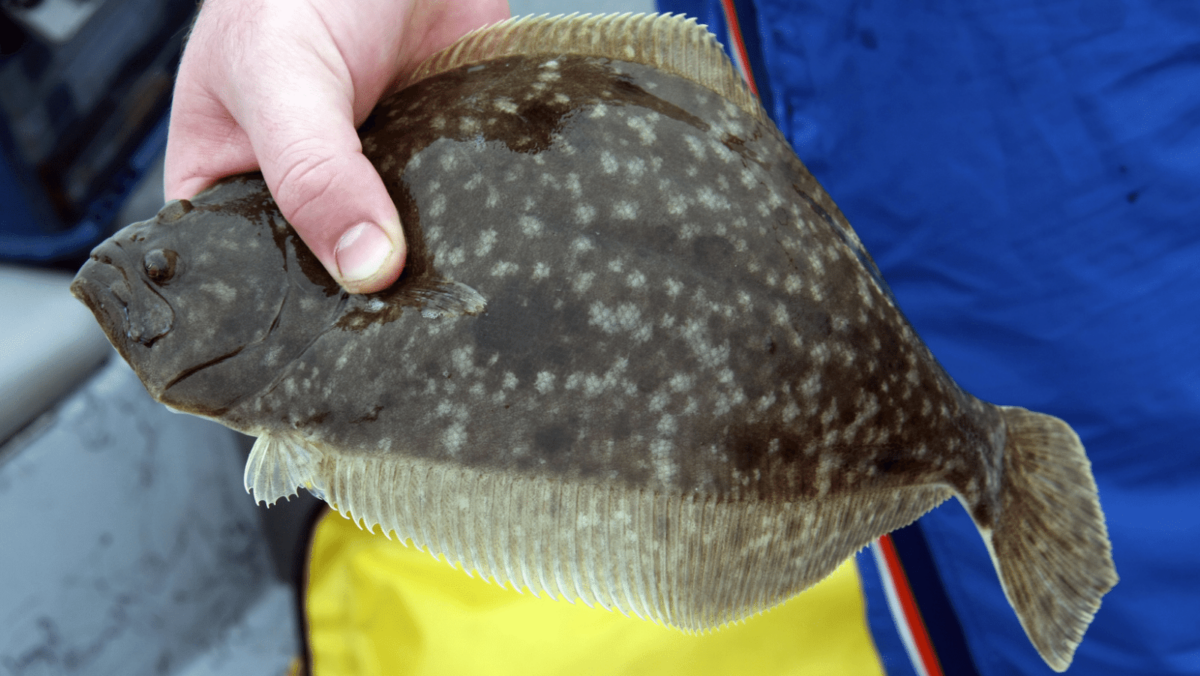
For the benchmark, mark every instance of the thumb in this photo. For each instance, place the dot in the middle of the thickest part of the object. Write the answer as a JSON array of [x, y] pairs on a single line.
[[312, 160]]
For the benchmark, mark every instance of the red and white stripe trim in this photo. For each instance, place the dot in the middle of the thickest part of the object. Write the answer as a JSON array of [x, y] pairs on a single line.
[[904, 609], [738, 44]]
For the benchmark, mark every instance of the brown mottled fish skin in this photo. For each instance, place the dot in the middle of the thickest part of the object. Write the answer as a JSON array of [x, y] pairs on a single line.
[[637, 356], [650, 319]]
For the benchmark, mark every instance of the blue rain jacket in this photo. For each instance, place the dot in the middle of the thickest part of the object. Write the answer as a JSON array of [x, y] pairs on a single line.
[[1026, 173]]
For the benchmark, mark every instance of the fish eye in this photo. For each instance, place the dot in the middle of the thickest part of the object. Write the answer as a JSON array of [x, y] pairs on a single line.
[[160, 265]]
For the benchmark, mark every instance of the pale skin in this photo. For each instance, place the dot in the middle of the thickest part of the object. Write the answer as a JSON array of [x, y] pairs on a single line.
[[280, 86]]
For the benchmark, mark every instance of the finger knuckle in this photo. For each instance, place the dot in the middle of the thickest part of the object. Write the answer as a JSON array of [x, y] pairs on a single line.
[[307, 177]]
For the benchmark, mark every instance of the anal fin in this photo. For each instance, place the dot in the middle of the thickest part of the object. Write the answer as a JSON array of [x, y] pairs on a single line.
[[693, 562]]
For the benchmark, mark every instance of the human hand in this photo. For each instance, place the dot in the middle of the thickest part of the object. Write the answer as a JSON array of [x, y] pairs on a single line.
[[281, 86]]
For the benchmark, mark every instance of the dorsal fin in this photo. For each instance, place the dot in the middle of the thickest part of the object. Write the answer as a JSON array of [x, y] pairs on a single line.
[[671, 43]]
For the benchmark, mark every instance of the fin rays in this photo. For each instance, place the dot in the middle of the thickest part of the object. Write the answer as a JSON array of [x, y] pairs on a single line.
[[1050, 544], [694, 562], [673, 44]]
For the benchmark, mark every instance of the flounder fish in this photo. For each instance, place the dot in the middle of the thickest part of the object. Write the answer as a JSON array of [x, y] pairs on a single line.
[[637, 357]]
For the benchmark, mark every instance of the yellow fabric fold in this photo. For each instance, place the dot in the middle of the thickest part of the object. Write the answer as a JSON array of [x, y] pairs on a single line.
[[376, 608]]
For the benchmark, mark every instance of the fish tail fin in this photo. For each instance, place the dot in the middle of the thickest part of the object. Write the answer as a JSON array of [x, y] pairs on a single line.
[[1050, 544]]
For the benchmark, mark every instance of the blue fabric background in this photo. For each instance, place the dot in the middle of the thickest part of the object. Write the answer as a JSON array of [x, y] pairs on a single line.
[[1026, 173], [884, 633]]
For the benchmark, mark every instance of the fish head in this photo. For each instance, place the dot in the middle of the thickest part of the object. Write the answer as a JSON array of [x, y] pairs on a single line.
[[183, 294]]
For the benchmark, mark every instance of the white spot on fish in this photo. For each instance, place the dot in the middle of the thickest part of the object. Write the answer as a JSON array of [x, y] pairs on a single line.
[[644, 127], [681, 382], [219, 289], [573, 184], [712, 199], [791, 284], [676, 204], [660, 454], [463, 359], [789, 412], [582, 282], [545, 382], [438, 207], [585, 214], [765, 402], [504, 268], [581, 244], [530, 225], [825, 468], [487, 239], [696, 145], [505, 104], [721, 151], [747, 179], [667, 425], [634, 169], [608, 162], [624, 317], [658, 402], [470, 125], [593, 385], [455, 437], [674, 288], [694, 332], [811, 385], [625, 210]]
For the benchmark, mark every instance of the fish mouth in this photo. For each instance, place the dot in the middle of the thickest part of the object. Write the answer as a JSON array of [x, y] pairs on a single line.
[[107, 289], [103, 288]]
